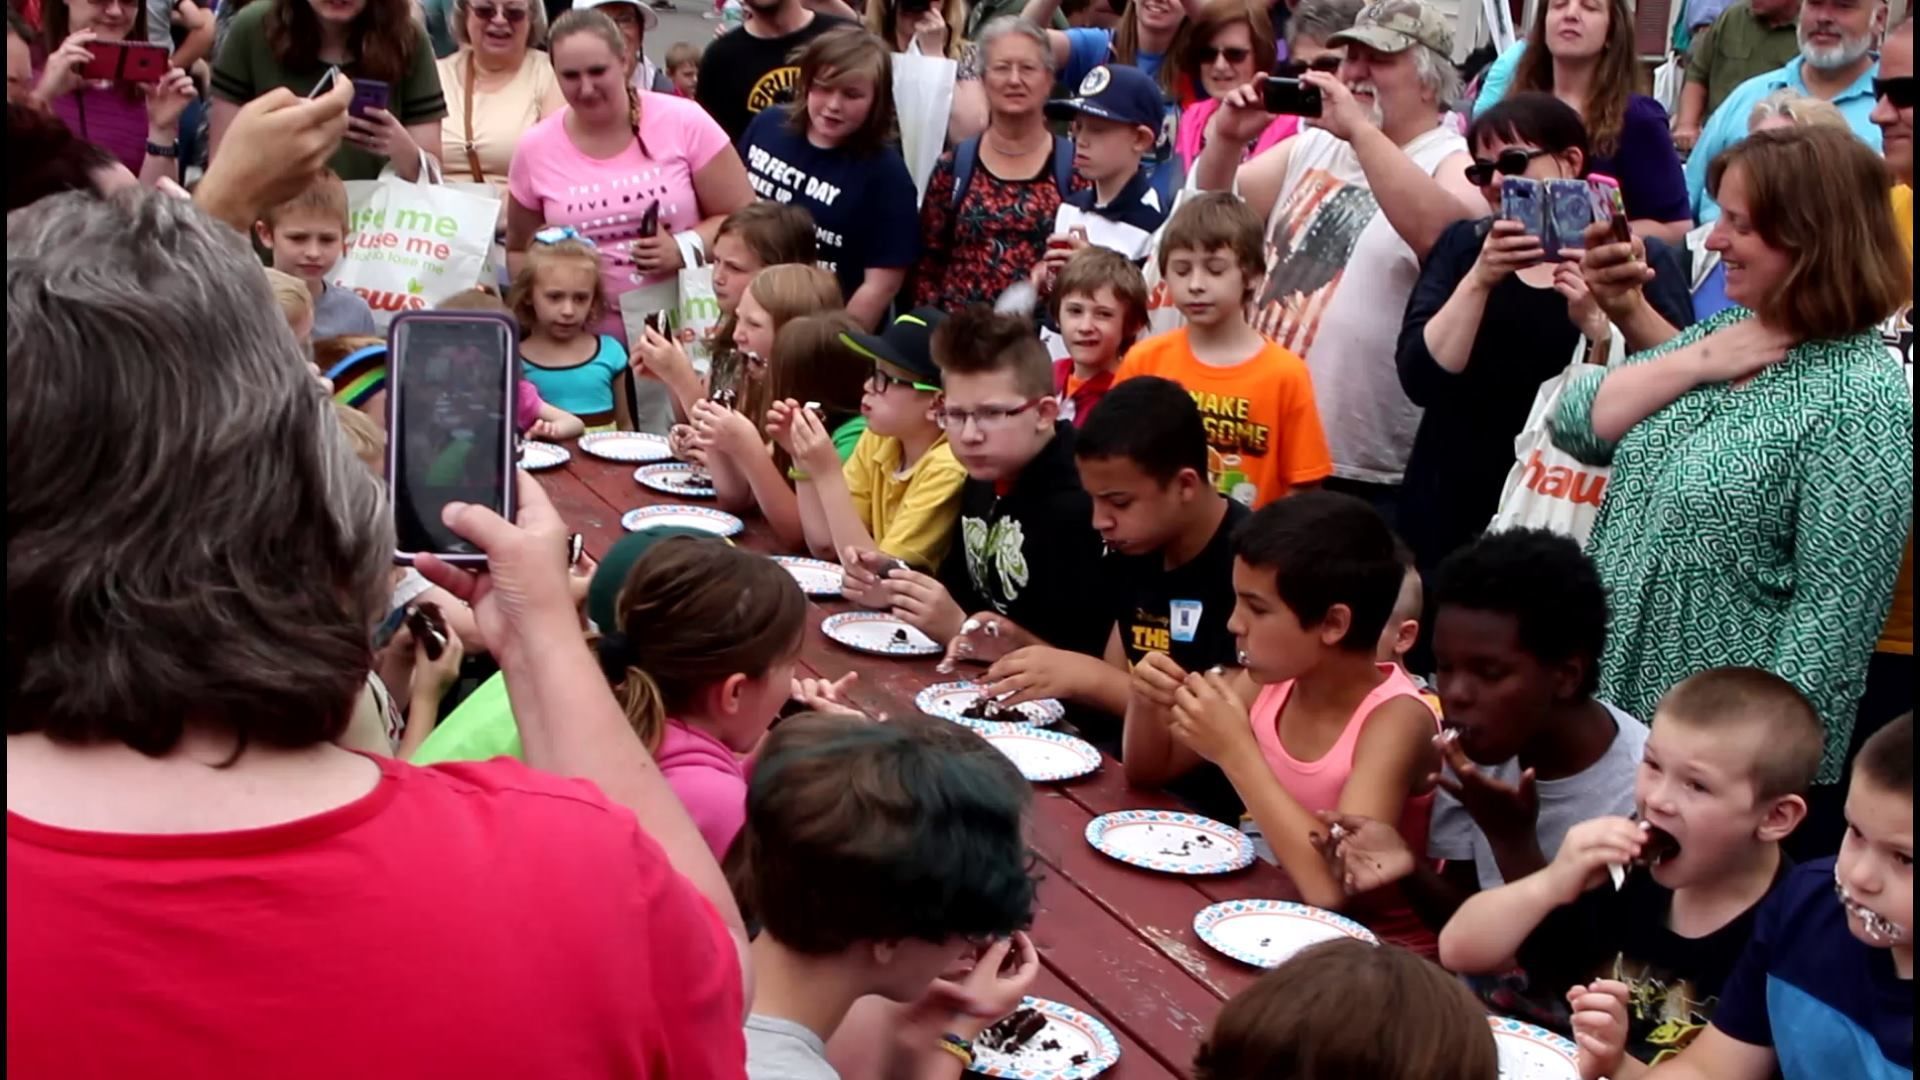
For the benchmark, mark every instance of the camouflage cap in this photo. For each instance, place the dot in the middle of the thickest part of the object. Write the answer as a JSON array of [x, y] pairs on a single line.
[[1393, 26]]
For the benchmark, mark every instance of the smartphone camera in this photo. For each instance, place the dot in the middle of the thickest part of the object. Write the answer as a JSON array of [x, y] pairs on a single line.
[[1292, 97]]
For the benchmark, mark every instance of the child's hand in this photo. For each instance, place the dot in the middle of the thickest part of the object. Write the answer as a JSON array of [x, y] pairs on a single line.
[[813, 448], [437, 676], [659, 356], [1156, 678], [1590, 847], [998, 982], [724, 430], [1498, 808], [923, 603], [780, 423], [1032, 674], [823, 696], [685, 444], [1365, 854], [1209, 719], [1600, 1027]]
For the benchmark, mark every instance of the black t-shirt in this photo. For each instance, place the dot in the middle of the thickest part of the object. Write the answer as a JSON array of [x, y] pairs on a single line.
[[1463, 449], [741, 74], [1183, 612], [1674, 981]]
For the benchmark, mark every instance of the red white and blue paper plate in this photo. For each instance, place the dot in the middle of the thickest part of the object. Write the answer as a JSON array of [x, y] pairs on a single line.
[[1266, 933], [951, 700], [1073, 1046], [673, 478], [817, 577], [878, 633], [633, 447], [1171, 842], [1042, 756], [536, 456], [704, 518], [1533, 1053]]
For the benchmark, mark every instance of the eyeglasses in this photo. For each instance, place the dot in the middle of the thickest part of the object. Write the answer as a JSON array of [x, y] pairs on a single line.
[[1512, 162], [556, 234], [1293, 69], [880, 382], [1207, 54], [988, 418], [1001, 69], [1897, 90], [487, 12]]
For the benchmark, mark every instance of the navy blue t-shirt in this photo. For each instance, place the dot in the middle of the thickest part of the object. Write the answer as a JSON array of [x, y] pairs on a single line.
[[864, 206], [1827, 1003]]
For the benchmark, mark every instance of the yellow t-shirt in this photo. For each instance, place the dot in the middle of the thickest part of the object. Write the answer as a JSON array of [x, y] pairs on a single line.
[[1898, 635], [910, 515]]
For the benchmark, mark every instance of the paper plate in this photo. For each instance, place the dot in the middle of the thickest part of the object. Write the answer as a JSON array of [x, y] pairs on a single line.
[[1171, 842], [674, 478], [817, 577], [1042, 756], [1533, 1053], [717, 522], [535, 456], [1265, 933], [950, 701], [879, 633], [1072, 1046], [630, 446]]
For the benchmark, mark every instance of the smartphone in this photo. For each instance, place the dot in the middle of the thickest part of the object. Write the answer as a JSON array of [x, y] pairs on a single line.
[[429, 628], [125, 62], [1291, 97], [1521, 200], [326, 82], [1610, 205], [367, 94], [1569, 212], [450, 408], [650, 220]]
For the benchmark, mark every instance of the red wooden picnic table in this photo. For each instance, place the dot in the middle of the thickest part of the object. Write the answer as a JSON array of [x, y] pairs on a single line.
[[1115, 941]]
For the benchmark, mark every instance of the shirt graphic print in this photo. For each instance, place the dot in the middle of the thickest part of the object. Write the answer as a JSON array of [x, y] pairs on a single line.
[[1311, 244]]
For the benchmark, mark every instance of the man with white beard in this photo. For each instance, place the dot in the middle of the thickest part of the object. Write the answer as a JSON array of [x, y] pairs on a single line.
[[1352, 204], [1837, 63]]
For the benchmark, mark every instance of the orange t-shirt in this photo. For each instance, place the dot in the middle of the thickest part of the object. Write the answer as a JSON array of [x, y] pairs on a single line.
[[1263, 429]]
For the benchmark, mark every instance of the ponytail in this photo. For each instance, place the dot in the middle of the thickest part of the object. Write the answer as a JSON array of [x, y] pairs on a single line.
[[646, 713]]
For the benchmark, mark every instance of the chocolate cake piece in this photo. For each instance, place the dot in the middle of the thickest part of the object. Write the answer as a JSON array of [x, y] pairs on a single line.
[[983, 708], [1660, 846], [1011, 1033], [899, 636]]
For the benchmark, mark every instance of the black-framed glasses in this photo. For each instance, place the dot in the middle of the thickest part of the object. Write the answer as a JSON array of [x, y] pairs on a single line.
[[1292, 69], [987, 417], [1898, 90], [880, 382], [486, 12], [1511, 162], [1207, 54]]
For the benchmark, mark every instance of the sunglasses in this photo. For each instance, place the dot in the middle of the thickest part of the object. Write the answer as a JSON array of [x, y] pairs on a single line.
[[486, 12], [1207, 54], [1293, 69], [1509, 163], [1897, 90]]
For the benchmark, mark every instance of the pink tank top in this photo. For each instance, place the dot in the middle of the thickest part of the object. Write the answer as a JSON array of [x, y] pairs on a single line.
[[1316, 785]]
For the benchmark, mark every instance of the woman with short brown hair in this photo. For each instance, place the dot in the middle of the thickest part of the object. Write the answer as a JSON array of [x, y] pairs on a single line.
[[1762, 461]]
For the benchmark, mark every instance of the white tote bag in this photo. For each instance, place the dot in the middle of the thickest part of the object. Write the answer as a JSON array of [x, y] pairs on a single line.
[[923, 101], [1548, 488], [695, 313], [414, 244], [1668, 80]]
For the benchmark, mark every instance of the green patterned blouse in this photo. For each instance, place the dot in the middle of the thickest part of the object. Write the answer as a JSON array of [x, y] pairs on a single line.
[[1758, 526]]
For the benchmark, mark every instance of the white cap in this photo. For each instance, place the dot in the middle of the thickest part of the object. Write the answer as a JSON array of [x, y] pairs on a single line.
[[648, 17]]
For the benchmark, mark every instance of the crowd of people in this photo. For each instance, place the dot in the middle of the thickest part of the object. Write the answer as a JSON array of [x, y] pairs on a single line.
[[1227, 429]]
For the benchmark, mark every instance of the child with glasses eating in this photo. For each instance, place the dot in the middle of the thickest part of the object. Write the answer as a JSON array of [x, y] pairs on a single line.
[[1024, 546]]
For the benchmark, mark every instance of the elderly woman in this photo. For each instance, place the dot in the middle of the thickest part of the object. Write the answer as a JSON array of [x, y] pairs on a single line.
[[177, 684], [1762, 461], [293, 43], [1230, 43], [497, 86], [991, 200]]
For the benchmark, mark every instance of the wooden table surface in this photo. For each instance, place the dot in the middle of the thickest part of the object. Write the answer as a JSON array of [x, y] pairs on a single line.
[[1115, 941]]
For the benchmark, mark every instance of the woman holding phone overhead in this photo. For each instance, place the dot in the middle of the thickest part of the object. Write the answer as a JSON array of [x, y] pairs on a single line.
[[378, 44], [132, 117], [647, 177]]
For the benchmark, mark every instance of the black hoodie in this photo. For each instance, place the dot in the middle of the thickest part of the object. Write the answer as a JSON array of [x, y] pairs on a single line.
[[1032, 554]]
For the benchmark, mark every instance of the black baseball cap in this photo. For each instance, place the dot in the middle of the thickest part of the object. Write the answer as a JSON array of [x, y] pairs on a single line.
[[1115, 92], [906, 344]]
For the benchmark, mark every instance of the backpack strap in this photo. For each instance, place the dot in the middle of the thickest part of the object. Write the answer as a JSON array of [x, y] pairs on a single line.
[[965, 157], [1063, 165]]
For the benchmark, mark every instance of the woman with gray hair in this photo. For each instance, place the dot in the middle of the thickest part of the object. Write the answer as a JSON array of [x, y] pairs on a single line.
[[498, 85], [195, 561], [991, 200]]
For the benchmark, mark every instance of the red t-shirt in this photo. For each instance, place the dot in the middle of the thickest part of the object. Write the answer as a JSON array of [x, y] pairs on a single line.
[[464, 920]]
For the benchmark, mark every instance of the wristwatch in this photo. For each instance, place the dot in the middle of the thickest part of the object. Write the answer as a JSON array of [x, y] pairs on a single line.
[[165, 150]]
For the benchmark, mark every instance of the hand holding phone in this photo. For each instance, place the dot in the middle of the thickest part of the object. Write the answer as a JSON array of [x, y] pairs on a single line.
[[1292, 97], [125, 62], [1521, 200]]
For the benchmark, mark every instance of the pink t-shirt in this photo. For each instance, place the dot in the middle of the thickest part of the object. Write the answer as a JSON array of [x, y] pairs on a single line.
[[710, 779], [1316, 785], [1191, 136], [604, 199]]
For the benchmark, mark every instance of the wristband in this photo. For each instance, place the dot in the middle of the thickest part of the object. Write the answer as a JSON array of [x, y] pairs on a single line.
[[693, 250], [163, 150], [959, 1048]]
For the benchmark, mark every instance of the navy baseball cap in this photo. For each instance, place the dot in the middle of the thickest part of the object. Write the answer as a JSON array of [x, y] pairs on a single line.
[[1114, 92], [907, 344]]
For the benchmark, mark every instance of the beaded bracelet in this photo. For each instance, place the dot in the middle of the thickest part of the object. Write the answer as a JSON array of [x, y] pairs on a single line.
[[958, 1047]]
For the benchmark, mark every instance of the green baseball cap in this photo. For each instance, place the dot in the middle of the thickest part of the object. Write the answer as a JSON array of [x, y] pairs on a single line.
[[603, 592], [1394, 26]]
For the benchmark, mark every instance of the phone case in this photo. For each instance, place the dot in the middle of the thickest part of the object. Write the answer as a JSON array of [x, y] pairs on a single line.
[[507, 466], [105, 64], [1521, 200], [650, 220], [368, 94], [144, 64], [1569, 212]]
